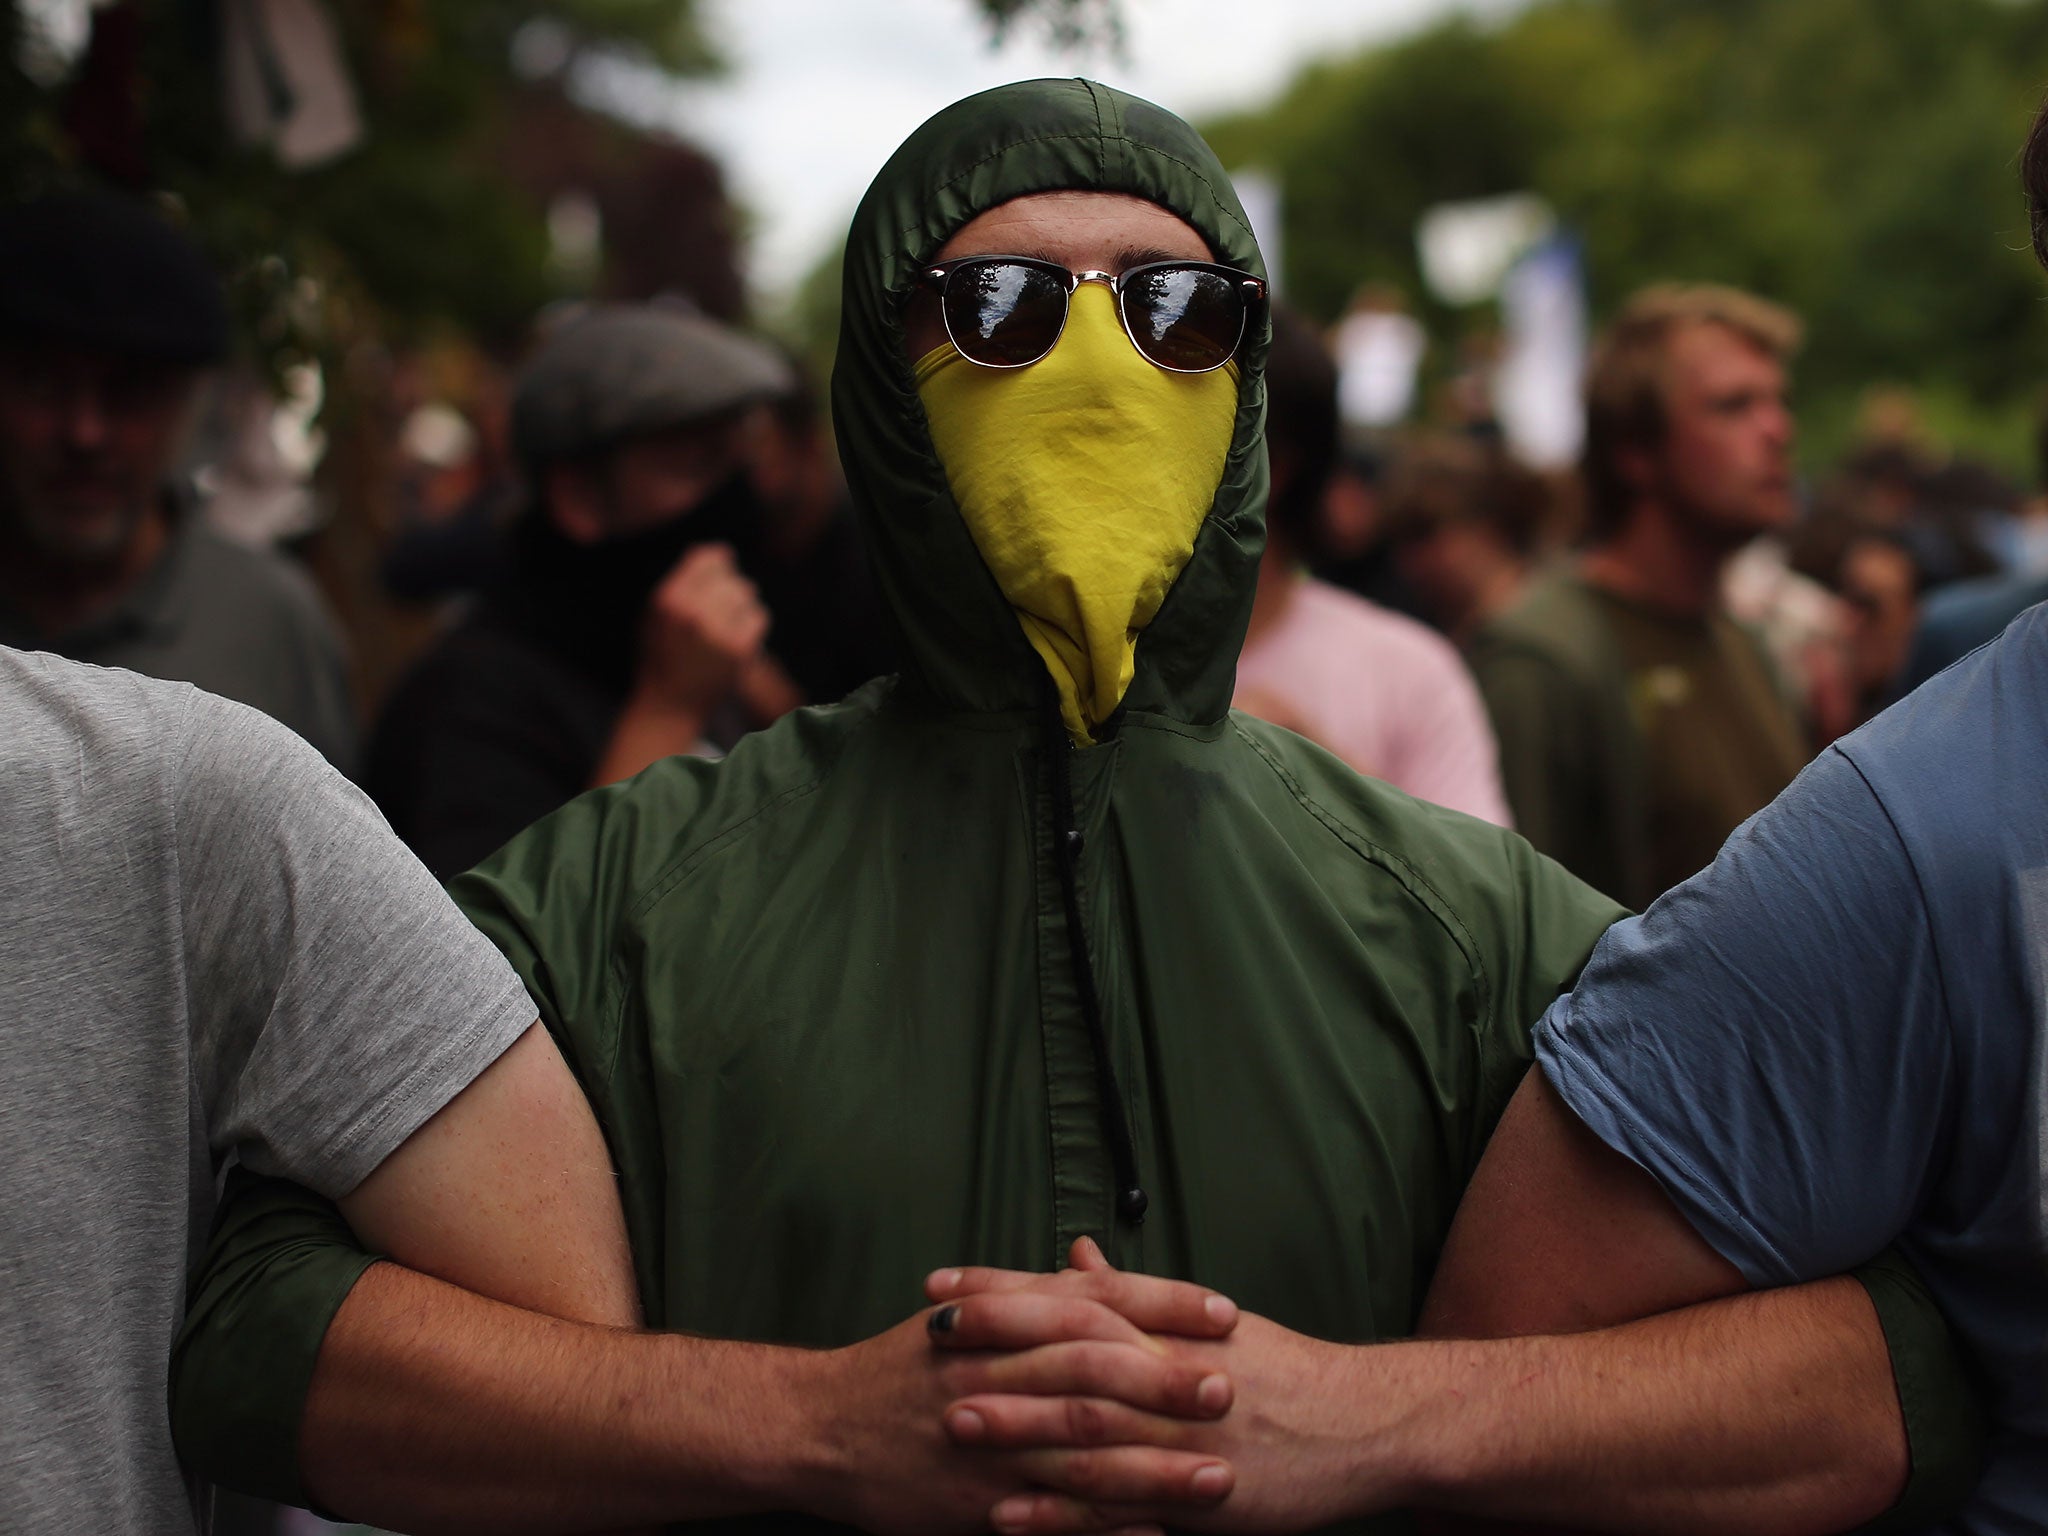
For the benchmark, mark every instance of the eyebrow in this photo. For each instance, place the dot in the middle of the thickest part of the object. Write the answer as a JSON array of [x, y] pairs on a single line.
[[1123, 258], [1134, 256]]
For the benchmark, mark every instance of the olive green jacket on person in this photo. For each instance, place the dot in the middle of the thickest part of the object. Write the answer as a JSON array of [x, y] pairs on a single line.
[[826, 995]]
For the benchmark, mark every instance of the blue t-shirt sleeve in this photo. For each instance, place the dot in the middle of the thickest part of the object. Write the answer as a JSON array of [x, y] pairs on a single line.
[[1770, 1039]]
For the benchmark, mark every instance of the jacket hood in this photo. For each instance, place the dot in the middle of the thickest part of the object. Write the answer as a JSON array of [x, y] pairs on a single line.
[[964, 645]]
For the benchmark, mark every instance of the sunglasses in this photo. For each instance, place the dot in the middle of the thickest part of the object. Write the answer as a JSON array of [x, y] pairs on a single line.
[[1010, 311]]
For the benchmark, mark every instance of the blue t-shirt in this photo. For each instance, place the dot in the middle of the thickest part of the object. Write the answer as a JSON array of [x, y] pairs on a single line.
[[1832, 1039]]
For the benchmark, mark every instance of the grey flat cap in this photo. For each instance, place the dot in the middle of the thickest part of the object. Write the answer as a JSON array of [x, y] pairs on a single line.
[[619, 370]]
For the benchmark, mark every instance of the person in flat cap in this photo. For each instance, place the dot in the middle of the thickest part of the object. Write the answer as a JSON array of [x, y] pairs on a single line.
[[1034, 955], [110, 321], [623, 629]]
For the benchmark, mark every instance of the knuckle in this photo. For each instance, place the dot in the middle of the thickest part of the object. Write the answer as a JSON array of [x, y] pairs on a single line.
[[1088, 1474], [1103, 1289], [1076, 1315], [1087, 1424], [1093, 1368]]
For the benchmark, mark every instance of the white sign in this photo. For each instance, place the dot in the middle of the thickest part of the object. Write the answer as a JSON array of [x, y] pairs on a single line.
[[1467, 249]]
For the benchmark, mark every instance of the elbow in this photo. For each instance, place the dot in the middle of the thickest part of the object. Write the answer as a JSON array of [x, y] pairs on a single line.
[[1851, 1467], [1875, 1467], [1849, 1489]]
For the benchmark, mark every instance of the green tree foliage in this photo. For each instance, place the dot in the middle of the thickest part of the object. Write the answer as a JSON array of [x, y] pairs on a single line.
[[1066, 23], [1852, 160], [414, 227], [419, 227]]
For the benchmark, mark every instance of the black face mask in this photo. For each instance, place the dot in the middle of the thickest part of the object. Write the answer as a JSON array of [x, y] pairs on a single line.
[[586, 600]]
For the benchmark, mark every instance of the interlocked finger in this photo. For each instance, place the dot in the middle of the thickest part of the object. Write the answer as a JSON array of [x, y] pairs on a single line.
[[1156, 1305], [1026, 1319], [976, 1279], [1019, 1422], [1087, 1490], [1149, 1379], [1138, 1477], [1055, 1514]]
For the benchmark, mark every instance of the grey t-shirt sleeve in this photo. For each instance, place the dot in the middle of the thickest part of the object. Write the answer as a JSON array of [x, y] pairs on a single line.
[[337, 997], [1770, 1039]]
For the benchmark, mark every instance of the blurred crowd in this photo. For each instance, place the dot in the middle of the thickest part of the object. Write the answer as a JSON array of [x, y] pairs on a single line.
[[1034, 939], [635, 540]]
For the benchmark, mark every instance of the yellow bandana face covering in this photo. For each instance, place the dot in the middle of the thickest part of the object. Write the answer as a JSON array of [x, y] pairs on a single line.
[[1083, 480]]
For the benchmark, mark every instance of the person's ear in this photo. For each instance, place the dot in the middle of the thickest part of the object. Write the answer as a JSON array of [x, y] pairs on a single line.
[[1636, 468], [576, 503]]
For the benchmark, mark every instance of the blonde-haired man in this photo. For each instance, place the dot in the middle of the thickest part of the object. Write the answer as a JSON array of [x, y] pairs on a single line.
[[1639, 724]]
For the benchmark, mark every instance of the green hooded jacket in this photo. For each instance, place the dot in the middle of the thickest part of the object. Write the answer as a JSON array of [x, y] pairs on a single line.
[[831, 997]]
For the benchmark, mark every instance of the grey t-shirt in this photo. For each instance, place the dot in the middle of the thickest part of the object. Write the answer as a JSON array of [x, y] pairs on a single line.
[[211, 948]]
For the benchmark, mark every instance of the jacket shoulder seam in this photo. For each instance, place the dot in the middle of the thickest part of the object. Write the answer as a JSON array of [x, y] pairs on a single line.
[[666, 879], [617, 986], [1437, 904]]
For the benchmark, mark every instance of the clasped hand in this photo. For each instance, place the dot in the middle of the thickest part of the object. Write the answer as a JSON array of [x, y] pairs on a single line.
[[1205, 1418], [1101, 1352]]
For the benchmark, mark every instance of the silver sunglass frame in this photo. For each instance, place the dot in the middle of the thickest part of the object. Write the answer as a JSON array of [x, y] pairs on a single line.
[[1251, 291]]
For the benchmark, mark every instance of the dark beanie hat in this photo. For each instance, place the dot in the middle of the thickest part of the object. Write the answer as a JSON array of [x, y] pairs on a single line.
[[94, 269]]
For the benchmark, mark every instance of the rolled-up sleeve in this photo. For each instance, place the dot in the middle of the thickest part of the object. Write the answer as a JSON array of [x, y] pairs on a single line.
[[1770, 1040]]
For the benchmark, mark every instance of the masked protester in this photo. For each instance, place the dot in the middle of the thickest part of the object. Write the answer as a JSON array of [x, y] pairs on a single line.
[[624, 628], [1032, 951]]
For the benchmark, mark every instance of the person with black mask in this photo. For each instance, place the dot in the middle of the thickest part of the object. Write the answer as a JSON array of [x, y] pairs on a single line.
[[623, 629]]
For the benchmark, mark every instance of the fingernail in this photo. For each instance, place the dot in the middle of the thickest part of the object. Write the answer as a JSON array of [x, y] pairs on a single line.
[[1214, 1393], [943, 1279], [1014, 1513], [966, 1424], [1211, 1482], [1221, 1310], [942, 1321]]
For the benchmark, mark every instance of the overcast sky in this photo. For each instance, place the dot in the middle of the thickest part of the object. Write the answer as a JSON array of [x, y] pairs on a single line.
[[822, 90]]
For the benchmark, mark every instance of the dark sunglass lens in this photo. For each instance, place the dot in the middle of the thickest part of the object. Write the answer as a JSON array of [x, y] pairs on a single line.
[[1183, 317], [1003, 313]]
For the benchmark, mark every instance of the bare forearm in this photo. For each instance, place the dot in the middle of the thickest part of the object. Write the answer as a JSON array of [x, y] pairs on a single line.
[[648, 729], [435, 1410], [1772, 1413]]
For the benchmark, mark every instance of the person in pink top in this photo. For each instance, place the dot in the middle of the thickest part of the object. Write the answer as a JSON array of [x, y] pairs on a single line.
[[1384, 692]]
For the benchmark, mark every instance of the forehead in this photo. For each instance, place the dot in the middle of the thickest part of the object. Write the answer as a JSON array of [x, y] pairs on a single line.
[[1085, 231], [1705, 355]]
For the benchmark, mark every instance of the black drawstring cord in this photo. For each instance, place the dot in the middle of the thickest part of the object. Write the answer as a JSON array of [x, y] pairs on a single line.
[[1130, 1198]]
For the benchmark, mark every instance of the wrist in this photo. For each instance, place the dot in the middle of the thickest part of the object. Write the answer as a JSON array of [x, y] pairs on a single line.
[[743, 1442], [1446, 1444], [805, 1461], [1398, 1436]]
